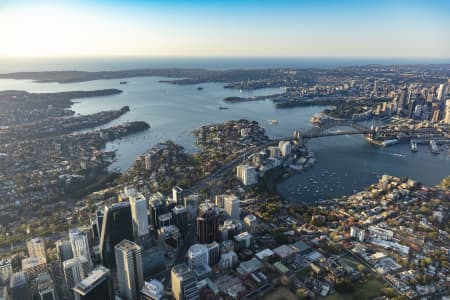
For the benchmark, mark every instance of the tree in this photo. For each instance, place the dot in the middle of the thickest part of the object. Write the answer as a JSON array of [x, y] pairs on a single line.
[[445, 183], [361, 268], [388, 292], [302, 294]]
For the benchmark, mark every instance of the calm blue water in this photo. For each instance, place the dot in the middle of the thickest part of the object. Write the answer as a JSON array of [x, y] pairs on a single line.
[[344, 164]]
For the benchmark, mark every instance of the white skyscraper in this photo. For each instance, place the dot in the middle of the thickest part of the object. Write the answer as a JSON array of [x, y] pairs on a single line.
[[285, 148], [447, 112], [129, 269], [139, 214], [247, 174], [80, 244], [232, 206], [442, 92], [75, 270]]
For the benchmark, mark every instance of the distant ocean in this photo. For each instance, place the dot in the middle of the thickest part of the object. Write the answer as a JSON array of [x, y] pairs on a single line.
[[216, 63]]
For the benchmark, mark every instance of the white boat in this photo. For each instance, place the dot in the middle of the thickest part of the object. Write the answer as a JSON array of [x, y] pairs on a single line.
[[413, 145], [434, 147], [273, 122]]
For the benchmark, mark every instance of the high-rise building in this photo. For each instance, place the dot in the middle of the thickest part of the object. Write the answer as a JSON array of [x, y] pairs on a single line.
[[213, 253], [442, 92], [97, 285], [184, 283], [5, 270], [97, 222], [243, 239], [75, 270], [165, 220], [177, 195], [139, 214], [247, 174], [402, 101], [285, 148], [33, 266], [207, 223], [191, 203], [36, 248], [170, 235], [436, 117], [45, 287], [63, 250], [80, 244], [274, 151], [228, 260], [232, 206], [250, 223], [152, 290], [197, 255], [19, 288], [117, 226], [180, 217], [156, 208], [129, 269], [219, 200], [447, 112]]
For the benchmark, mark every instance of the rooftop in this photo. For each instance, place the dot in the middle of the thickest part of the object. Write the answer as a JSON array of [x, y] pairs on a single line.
[[94, 278], [127, 245]]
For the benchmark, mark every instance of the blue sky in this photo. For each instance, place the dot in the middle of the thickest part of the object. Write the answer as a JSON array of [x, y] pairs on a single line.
[[383, 28]]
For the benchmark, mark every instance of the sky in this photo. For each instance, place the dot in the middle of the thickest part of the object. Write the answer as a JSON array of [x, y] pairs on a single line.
[[230, 28]]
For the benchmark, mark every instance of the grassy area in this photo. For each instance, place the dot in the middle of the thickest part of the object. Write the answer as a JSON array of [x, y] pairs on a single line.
[[281, 293], [368, 290]]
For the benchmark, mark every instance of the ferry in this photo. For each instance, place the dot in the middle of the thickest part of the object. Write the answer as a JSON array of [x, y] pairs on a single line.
[[434, 147], [413, 145], [388, 143]]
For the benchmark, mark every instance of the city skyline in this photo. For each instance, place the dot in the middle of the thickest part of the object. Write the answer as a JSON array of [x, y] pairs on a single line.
[[225, 28]]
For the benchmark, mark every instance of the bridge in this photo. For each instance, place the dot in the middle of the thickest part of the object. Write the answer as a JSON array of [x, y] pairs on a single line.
[[422, 135]]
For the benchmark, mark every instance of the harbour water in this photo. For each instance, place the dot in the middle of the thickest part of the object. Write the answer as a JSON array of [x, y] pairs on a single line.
[[344, 164]]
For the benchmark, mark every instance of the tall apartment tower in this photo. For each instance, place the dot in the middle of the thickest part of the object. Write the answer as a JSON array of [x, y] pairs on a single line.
[[80, 244], [180, 216], [129, 269], [97, 285], [156, 208], [75, 270], [139, 214], [36, 247], [177, 195], [447, 112], [207, 224], [63, 250], [184, 283], [442, 92], [117, 226], [247, 174], [231, 204]]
